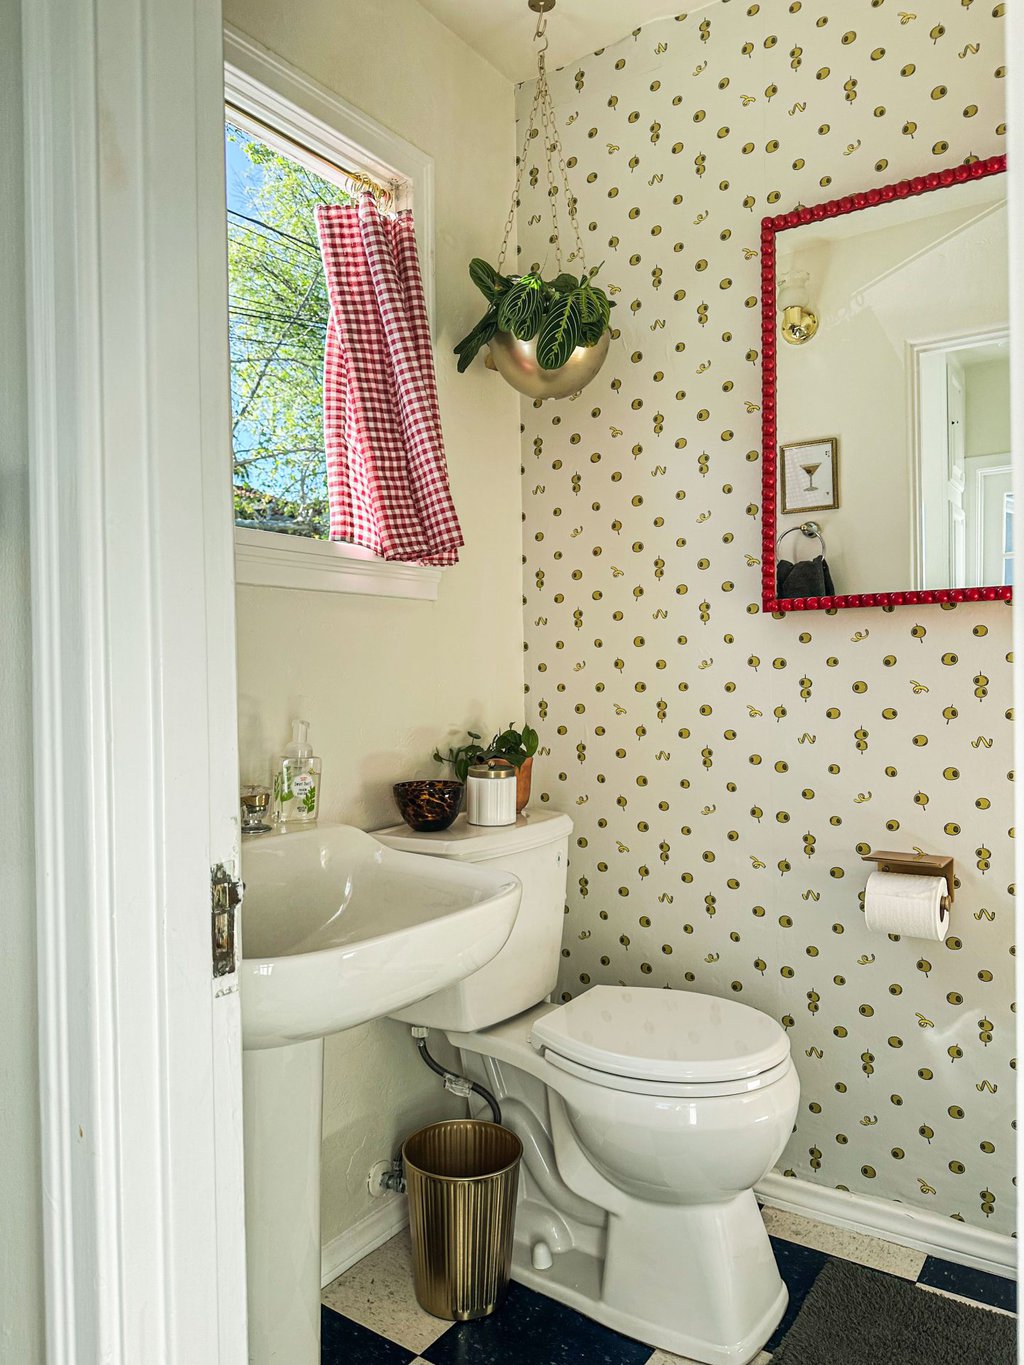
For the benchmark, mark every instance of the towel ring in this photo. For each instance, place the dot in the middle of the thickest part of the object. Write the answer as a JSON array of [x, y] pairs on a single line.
[[810, 529]]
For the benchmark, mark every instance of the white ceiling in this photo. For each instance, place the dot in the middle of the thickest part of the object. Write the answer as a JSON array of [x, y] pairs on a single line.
[[502, 30]]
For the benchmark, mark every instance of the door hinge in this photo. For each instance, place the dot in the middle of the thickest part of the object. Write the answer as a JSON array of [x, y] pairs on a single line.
[[226, 894]]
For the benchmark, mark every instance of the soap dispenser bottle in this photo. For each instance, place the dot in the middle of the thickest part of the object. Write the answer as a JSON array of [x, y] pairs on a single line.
[[297, 781]]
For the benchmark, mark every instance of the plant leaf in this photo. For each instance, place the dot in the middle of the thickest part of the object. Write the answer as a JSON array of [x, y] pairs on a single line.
[[595, 312], [522, 308], [591, 310], [481, 334], [564, 284], [560, 331], [487, 279]]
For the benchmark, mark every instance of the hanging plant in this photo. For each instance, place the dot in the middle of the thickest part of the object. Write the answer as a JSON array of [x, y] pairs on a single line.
[[547, 338], [562, 314]]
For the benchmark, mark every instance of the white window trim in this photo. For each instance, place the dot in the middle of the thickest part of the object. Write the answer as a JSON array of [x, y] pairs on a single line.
[[326, 566], [259, 83]]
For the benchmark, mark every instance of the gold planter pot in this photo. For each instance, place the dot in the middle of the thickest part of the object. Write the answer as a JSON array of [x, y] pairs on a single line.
[[516, 362], [462, 1177]]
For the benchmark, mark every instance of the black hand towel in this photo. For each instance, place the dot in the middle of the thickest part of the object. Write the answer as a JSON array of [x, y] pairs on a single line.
[[806, 578]]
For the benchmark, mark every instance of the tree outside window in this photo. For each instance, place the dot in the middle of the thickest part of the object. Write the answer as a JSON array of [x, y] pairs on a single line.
[[278, 310]]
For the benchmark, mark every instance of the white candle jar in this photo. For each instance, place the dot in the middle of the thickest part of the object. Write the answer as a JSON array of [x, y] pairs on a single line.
[[491, 795]]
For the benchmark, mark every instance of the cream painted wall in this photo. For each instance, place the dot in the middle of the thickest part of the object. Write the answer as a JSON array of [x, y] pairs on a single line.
[[725, 769], [987, 387], [21, 1287], [382, 682]]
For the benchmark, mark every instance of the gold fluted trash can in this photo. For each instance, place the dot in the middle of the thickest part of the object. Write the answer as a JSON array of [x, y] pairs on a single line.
[[462, 1177]]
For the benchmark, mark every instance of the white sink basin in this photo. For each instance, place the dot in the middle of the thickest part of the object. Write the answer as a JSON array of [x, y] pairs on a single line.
[[338, 930]]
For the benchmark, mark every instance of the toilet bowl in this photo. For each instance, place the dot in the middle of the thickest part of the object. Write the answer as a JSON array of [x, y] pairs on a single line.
[[647, 1116]]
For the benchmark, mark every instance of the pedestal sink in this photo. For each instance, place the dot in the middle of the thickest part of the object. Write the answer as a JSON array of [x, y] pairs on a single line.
[[336, 930]]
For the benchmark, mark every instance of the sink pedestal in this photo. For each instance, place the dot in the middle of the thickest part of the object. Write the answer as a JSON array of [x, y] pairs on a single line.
[[283, 1105]]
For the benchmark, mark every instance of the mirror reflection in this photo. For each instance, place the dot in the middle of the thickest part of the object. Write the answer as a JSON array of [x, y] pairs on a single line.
[[893, 397]]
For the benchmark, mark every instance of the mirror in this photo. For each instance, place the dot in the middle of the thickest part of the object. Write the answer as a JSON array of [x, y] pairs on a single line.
[[886, 399]]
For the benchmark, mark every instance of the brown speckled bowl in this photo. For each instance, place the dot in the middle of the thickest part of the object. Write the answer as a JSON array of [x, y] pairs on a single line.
[[428, 803]]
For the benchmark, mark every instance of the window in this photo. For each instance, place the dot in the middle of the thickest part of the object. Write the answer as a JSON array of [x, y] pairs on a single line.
[[278, 316], [289, 145]]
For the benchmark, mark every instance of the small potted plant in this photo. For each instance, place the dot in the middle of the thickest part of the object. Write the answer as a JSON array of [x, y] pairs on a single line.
[[462, 759], [513, 747]]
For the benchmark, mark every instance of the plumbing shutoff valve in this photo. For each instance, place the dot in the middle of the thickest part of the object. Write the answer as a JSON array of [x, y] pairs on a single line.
[[386, 1177]]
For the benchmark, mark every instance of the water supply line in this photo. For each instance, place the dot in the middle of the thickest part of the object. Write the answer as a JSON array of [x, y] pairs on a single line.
[[458, 1085]]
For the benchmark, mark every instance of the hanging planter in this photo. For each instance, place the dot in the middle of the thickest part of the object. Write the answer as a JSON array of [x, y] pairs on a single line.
[[516, 362], [547, 338]]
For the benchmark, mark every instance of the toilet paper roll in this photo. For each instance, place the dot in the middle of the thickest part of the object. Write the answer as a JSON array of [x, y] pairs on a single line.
[[900, 903]]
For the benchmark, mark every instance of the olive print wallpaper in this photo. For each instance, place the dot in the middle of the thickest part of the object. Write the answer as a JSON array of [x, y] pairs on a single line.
[[725, 769]]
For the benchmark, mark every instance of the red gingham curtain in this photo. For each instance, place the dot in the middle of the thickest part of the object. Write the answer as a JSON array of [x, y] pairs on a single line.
[[387, 478]]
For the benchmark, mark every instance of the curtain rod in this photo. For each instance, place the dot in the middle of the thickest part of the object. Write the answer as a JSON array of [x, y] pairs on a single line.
[[358, 178]]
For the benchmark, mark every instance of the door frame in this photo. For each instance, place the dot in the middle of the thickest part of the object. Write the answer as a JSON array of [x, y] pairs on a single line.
[[981, 468], [1015, 208], [134, 735], [923, 427]]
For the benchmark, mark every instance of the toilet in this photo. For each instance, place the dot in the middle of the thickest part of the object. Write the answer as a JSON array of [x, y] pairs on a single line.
[[646, 1115]]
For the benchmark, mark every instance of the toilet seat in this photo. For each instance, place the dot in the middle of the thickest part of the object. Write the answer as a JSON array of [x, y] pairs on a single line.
[[698, 1090], [658, 1042]]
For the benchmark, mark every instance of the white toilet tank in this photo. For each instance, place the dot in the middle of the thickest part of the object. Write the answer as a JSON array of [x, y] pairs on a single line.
[[536, 850]]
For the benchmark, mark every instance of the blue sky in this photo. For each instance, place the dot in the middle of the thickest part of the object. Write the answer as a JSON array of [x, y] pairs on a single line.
[[240, 171]]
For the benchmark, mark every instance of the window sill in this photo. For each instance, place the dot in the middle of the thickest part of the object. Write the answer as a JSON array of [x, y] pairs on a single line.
[[268, 560]]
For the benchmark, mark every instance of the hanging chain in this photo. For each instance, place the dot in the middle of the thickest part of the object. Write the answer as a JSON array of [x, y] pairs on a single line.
[[510, 220], [547, 128], [550, 136], [570, 199]]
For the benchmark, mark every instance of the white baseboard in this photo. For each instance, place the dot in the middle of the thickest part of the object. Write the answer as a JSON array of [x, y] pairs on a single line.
[[367, 1235], [894, 1222]]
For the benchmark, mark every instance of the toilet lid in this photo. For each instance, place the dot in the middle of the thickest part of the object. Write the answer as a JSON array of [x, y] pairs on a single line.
[[659, 1035]]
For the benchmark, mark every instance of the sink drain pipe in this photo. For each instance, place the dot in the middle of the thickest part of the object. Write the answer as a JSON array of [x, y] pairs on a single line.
[[458, 1085]]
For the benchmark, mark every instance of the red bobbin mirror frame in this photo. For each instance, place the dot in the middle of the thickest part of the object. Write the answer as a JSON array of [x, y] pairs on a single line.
[[770, 227]]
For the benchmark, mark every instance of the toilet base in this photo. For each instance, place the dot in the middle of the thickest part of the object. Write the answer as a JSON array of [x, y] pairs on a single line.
[[575, 1280], [644, 1309], [697, 1279]]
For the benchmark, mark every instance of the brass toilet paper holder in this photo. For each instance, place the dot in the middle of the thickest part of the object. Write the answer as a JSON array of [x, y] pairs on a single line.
[[918, 864]]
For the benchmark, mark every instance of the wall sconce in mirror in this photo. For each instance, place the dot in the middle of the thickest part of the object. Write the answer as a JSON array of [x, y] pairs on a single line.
[[799, 324], [910, 374]]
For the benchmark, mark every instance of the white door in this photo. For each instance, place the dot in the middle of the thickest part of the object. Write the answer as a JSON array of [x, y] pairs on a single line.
[[930, 507], [956, 409], [134, 730]]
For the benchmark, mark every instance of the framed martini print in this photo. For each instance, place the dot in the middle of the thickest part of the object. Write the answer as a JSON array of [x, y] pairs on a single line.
[[810, 475]]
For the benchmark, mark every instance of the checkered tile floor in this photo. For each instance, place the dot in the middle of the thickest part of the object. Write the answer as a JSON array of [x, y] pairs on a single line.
[[370, 1314]]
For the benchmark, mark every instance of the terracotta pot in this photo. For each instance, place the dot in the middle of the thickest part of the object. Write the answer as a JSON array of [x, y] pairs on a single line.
[[523, 778]]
